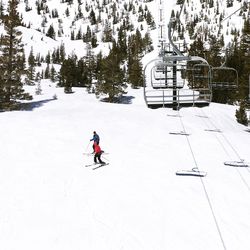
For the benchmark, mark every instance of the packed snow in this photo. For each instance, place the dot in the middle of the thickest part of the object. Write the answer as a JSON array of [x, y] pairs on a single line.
[[50, 200]]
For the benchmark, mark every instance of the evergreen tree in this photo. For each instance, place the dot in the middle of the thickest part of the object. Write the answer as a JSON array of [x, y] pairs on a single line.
[[197, 47], [31, 62], [150, 20], [51, 32], [245, 58], [92, 17], [82, 74], [1, 10], [111, 81], [62, 52], [87, 37], [11, 59], [89, 65], [107, 32], [135, 53], [213, 56], [68, 74], [38, 90], [147, 43], [94, 41], [235, 59], [53, 73], [48, 58], [241, 114], [122, 43], [47, 72], [135, 76]]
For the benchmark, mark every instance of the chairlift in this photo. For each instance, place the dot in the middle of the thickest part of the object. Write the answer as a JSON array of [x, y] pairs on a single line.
[[240, 163], [193, 172], [223, 78], [165, 78], [162, 75], [201, 75]]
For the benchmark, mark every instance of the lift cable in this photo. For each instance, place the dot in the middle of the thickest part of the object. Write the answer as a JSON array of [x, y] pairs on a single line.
[[235, 12], [226, 152], [204, 187]]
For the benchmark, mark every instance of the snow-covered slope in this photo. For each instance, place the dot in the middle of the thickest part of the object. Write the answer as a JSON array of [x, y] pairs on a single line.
[[205, 15], [50, 200]]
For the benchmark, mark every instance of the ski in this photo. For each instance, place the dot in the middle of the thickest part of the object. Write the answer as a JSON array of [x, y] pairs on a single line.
[[90, 165], [96, 165], [100, 165], [92, 154], [193, 172]]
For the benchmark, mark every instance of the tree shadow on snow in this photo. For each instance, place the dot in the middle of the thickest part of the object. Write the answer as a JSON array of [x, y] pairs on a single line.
[[29, 106], [120, 100]]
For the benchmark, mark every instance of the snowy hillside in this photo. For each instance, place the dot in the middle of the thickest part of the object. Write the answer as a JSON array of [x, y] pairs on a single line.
[[67, 17], [74, 17], [214, 17], [50, 200]]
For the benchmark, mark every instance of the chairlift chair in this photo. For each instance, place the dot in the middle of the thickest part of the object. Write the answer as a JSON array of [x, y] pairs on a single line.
[[223, 78], [201, 75]]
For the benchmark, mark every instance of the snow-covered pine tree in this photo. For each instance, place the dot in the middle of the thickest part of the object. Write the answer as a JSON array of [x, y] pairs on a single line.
[[12, 61]]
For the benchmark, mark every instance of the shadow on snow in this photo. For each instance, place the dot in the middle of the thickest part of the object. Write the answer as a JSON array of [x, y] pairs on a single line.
[[29, 106], [120, 100]]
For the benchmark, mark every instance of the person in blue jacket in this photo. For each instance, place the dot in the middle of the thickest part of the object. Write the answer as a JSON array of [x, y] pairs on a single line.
[[96, 139]]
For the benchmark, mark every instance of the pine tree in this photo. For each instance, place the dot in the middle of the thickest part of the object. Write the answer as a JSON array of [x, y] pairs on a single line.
[[11, 59], [135, 73], [148, 43], [111, 81], [107, 32], [47, 72], [51, 32], [241, 114], [53, 73], [1, 10], [135, 52], [214, 57], [122, 43], [245, 57], [87, 68], [68, 74], [31, 62], [62, 52], [92, 17], [150, 20]]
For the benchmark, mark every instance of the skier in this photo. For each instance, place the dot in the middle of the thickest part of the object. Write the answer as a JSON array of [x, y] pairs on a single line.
[[96, 139], [98, 153]]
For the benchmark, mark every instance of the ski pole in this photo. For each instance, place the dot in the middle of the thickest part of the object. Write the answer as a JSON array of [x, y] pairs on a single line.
[[105, 158], [87, 147]]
